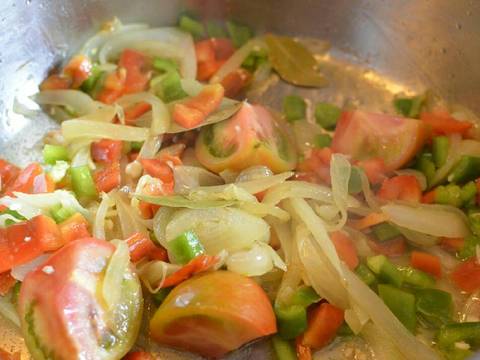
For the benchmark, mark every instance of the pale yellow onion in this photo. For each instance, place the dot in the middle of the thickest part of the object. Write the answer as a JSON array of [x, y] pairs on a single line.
[[75, 99], [382, 346], [160, 222], [130, 221], [190, 177], [254, 261], [74, 129], [100, 216], [340, 170], [153, 274], [117, 266]]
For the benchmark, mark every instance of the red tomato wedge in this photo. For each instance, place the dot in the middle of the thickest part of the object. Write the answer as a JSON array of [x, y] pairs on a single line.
[[8, 173], [211, 55], [62, 307], [138, 73], [195, 110], [78, 69], [401, 187], [23, 242], [467, 275], [345, 249], [75, 227], [213, 314], [106, 150], [426, 262], [441, 123], [362, 135], [323, 323]]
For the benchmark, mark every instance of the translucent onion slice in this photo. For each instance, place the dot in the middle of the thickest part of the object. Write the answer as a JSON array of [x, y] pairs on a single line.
[[74, 129], [340, 170], [75, 99], [434, 220], [118, 265], [153, 274], [100, 216]]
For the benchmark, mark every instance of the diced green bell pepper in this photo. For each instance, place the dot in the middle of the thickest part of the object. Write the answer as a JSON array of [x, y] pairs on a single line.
[[409, 107], [435, 306], [322, 141], [136, 145], [440, 145], [215, 30], [355, 181], [327, 115], [82, 182], [284, 350], [416, 278], [401, 303], [160, 295], [239, 34], [384, 231], [304, 296], [385, 270], [366, 274], [164, 65], [60, 213], [425, 165], [450, 194], [291, 320], [192, 26], [468, 192], [89, 84], [294, 107], [474, 221], [468, 332], [468, 168], [344, 330], [172, 87], [54, 153], [469, 247], [185, 247]]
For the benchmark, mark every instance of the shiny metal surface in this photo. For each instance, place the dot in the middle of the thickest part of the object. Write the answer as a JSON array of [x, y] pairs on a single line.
[[379, 48]]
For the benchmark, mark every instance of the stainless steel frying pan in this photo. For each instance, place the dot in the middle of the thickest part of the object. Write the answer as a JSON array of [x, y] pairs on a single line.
[[379, 48]]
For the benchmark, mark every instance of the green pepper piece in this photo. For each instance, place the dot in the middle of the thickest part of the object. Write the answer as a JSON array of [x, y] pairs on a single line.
[[82, 182], [172, 87], [426, 166], [450, 194], [254, 60], [160, 295], [322, 141], [355, 181], [409, 107], [54, 153], [136, 145], [304, 296], [385, 231], [185, 247], [468, 192], [239, 34], [468, 332], [401, 303], [474, 221], [416, 278], [215, 30], [89, 84], [385, 270], [435, 306], [440, 145], [164, 65], [468, 168], [291, 320], [294, 107], [60, 213], [192, 26], [284, 350], [13, 213], [366, 274], [327, 115], [469, 248]]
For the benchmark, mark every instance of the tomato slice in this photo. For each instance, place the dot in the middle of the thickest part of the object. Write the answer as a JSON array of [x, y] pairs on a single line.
[[63, 314], [213, 314], [364, 135], [137, 67], [106, 150], [108, 178], [78, 69], [401, 187], [75, 227], [251, 137]]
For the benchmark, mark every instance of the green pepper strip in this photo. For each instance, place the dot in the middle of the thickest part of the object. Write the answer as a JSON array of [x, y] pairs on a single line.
[[385, 270], [60, 213], [82, 182], [401, 303], [385, 232], [291, 320], [435, 306], [440, 145], [468, 168], [194, 27], [284, 350], [239, 34], [366, 274], [416, 278], [54, 153], [185, 247], [468, 332]]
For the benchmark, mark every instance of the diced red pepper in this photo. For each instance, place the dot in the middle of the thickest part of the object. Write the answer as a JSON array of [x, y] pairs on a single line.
[[442, 123], [142, 247], [323, 322], [401, 187], [75, 227], [8, 173], [78, 69], [25, 180], [391, 248], [133, 112], [235, 82], [426, 262], [106, 151], [56, 82], [346, 249], [197, 265], [108, 178], [429, 197], [304, 352], [137, 67], [211, 55], [6, 284], [467, 275], [374, 169], [113, 87], [138, 355], [452, 244]]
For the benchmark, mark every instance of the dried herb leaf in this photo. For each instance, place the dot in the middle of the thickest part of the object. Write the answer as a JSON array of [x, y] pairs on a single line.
[[293, 61]]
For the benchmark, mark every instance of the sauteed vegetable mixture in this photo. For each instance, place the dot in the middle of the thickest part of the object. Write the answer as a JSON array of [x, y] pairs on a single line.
[[171, 208]]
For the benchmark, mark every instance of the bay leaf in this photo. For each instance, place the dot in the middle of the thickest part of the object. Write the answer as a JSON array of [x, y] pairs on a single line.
[[293, 61]]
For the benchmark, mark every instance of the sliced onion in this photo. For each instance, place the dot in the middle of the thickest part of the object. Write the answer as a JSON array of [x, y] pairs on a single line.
[[8, 310], [19, 272], [74, 129], [150, 147], [160, 222], [190, 177], [153, 274], [160, 114], [417, 238], [435, 220], [101, 215], [129, 219], [254, 173], [118, 266], [340, 170], [255, 261], [382, 346], [76, 99], [234, 62]]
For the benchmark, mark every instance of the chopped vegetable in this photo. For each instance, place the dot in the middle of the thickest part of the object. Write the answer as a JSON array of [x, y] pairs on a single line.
[[426, 165], [401, 303], [54, 153], [444, 124], [450, 334], [467, 169], [60, 213], [449, 195], [385, 231], [440, 145], [239, 34], [185, 247], [467, 275], [416, 278], [409, 107], [426, 262], [106, 151], [322, 141], [327, 115], [108, 178], [219, 312], [294, 107], [82, 182], [293, 62], [366, 274], [468, 247], [323, 323], [435, 306], [215, 30], [304, 296], [401, 187], [164, 65], [192, 26], [283, 349], [291, 320], [142, 247], [345, 249], [172, 87], [197, 265], [73, 228], [385, 270]]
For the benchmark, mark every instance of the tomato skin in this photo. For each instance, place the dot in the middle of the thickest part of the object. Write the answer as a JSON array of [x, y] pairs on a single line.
[[60, 308], [108, 178], [221, 312], [251, 137], [345, 248], [364, 135], [78, 69], [138, 75], [8, 173], [467, 275], [25, 180], [106, 150], [401, 187]]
